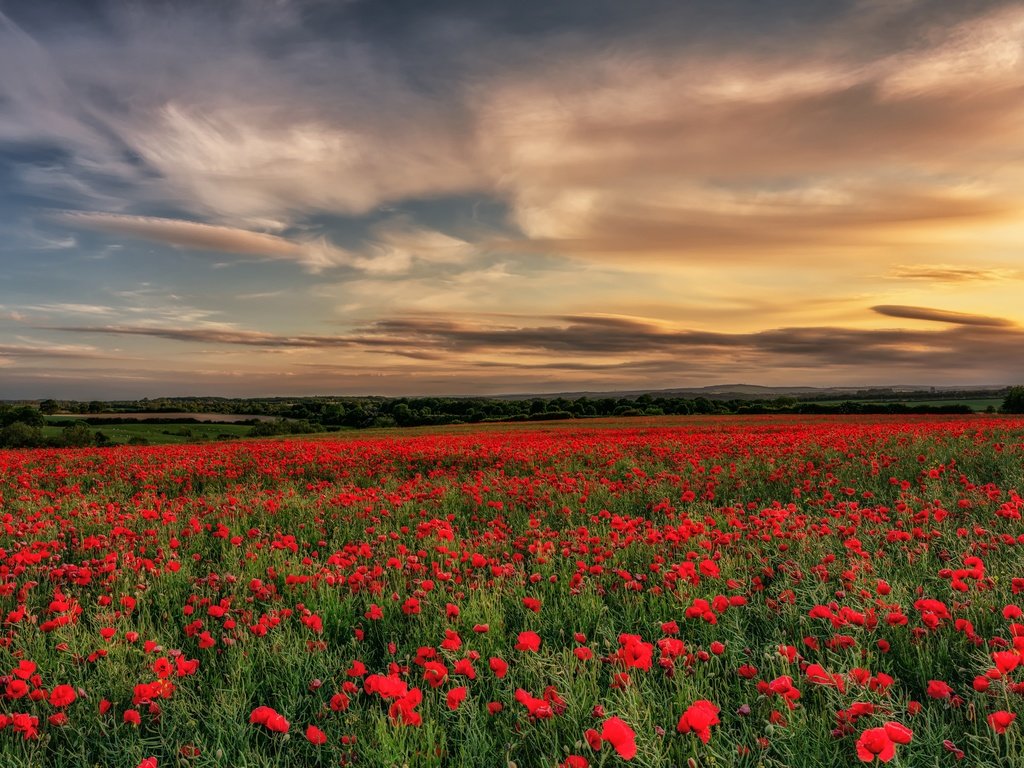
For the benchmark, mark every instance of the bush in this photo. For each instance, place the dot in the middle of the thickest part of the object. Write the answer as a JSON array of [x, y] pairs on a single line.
[[77, 436], [282, 427], [1014, 402], [21, 435], [550, 416]]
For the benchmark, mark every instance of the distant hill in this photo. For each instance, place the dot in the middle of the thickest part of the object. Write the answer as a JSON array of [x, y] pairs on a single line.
[[757, 391]]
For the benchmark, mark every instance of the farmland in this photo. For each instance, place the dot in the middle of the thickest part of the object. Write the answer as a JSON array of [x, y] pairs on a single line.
[[160, 433], [757, 591]]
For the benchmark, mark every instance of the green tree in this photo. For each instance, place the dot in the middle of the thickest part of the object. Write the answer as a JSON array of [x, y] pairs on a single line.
[[24, 414], [20, 435], [49, 406], [78, 435], [1014, 401]]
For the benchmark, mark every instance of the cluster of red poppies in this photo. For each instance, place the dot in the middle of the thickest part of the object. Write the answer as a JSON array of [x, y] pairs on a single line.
[[640, 595]]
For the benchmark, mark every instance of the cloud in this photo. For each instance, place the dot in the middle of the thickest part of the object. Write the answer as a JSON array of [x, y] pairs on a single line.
[[212, 336], [682, 152], [315, 255], [278, 161], [946, 273], [695, 154], [714, 163], [73, 308], [193, 108], [38, 349], [695, 225], [397, 243], [393, 248], [942, 316], [596, 342]]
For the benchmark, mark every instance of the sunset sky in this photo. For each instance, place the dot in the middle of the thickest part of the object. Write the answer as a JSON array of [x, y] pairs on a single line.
[[260, 197]]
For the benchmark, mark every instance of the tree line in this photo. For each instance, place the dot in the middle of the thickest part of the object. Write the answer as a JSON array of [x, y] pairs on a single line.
[[22, 425]]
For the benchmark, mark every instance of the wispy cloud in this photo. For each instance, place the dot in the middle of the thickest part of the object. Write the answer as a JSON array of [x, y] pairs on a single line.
[[598, 342], [948, 273], [315, 255], [704, 154], [393, 247], [212, 336], [42, 349], [620, 151], [942, 316]]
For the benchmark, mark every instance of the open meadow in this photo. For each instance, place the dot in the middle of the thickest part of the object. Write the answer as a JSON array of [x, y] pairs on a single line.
[[709, 591]]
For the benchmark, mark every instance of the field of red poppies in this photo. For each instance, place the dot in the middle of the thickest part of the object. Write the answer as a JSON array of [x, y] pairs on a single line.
[[733, 592]]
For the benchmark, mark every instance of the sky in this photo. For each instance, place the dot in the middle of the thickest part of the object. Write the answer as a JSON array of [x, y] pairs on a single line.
[[398, 197]]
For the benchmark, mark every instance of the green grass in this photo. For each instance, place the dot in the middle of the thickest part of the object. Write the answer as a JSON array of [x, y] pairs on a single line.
[[161, 434]]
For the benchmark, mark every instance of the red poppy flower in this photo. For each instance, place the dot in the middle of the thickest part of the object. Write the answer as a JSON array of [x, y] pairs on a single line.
[[875, 743], [25, 669], [404, 709], [62, 696], [881, 742], [539, 709], [1001, 720], [452, 641], [1006, 661], [456, 696], [498, 666], [435, 673], [270, 719], [698, 718], [528, 641], [315, 736], [623, 738], [465, 668]]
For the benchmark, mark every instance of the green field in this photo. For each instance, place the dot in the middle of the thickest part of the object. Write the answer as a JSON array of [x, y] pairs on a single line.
[[159, 433]]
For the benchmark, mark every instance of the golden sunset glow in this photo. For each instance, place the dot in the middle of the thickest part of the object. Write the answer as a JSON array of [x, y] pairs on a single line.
[[280, 198]]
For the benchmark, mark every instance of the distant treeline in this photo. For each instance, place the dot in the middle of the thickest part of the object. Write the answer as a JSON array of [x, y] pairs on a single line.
[[330, 407], [111, 421], [20, 425], [311, 413]]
